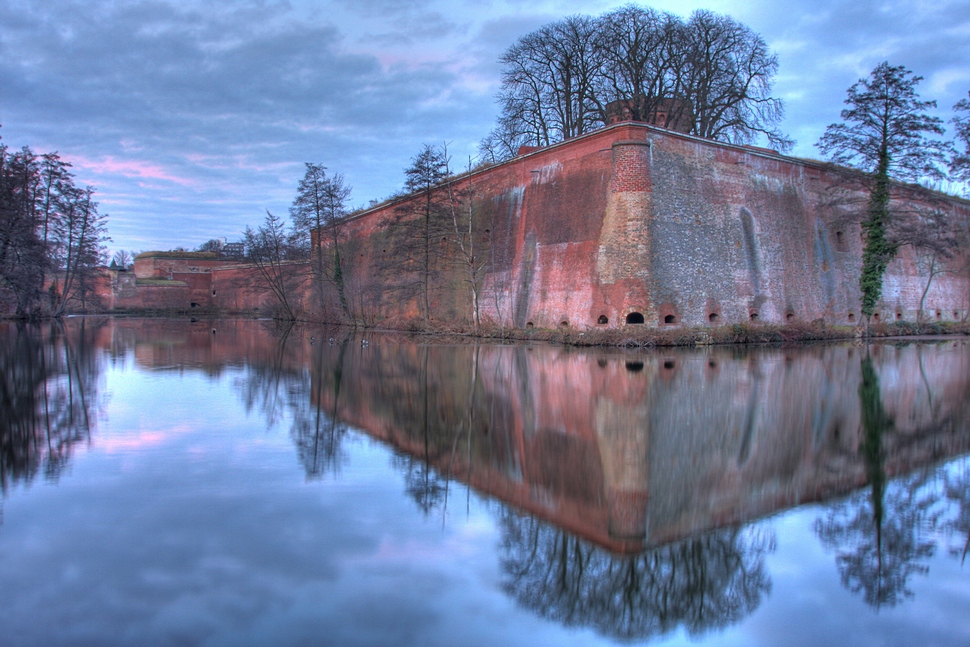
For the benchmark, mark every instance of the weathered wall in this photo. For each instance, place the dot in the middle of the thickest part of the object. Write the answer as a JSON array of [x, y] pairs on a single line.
[[183, 284], [635, 219]]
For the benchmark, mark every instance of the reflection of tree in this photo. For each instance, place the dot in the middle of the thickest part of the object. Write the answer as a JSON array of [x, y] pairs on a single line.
[[882, 538], [48, 384], [317, 434], [956, 486], [280, 383], [421, 482], [702, 583]]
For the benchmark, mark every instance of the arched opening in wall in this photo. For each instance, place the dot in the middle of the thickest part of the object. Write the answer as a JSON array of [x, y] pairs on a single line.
[[213, 293], [838, 237], [194, 305], [670, 319], [713, 317], [790, 317], [851, 317], [564, 324], [529, 325], [956, 315], [634, 318], [634, 367], [939, 315], [899, 315], [753, 316], [603, 320], [875, 316]]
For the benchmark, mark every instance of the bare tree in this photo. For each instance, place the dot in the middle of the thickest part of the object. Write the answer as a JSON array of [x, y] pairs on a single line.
[[279, 263], [469, 241], [960, 163], [710, 74], [78, 241], [725, 71], [320, 206], [123, 259], [935, 238]]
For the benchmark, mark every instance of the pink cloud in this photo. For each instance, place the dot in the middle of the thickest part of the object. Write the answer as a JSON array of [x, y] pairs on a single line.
[[129, 168]]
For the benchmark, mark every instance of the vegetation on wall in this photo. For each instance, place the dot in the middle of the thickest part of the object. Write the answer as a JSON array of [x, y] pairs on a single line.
[[888, 134]]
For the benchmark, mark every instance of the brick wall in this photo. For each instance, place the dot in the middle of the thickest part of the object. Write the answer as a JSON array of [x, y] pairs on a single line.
[[636, 221]]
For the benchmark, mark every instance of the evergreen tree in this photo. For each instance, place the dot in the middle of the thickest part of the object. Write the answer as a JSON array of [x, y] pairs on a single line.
[[886, 134]]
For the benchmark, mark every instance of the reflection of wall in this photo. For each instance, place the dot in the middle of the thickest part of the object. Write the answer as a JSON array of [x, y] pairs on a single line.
[[624, 449], [629, 456]]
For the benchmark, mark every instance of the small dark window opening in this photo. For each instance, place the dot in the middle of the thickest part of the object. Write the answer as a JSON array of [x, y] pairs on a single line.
[[838, 236], [488, 231], [602, 320], [712, 363], [213, 293], [789, 317], [851, 317], [899, 315], [635, 367], [194, 305], [601, 363], [939, 315], [530, 325], [669, 319], [875, 316], [669, 364], [712, 317], [956, 314], [634, 318], [754, 316], [564, 324]]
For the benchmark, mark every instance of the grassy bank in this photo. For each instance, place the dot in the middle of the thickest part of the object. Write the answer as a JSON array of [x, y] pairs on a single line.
[[644, 337]]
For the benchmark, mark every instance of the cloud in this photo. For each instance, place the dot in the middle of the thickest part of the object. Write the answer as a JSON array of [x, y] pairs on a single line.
[[208, 110]]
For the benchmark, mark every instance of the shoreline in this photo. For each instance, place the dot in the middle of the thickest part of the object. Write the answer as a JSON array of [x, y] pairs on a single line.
[[629, 336]]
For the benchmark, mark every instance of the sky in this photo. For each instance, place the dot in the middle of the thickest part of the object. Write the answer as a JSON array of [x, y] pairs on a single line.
[[192, 118]]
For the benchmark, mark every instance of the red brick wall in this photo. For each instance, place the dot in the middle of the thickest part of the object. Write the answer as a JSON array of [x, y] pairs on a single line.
[[635, 219]]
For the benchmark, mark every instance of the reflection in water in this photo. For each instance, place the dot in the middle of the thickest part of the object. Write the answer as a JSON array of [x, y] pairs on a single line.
[[957, 493], [630, 483], [883, 537], [277, 382], [702, 583], [48, 387]]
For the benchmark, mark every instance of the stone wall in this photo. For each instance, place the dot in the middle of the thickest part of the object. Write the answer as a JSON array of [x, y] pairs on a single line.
[[634, 221]]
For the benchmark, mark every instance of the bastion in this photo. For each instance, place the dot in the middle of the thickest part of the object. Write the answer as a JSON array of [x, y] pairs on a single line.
[[634, 224]]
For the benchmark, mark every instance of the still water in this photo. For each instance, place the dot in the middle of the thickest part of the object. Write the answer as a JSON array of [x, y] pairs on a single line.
[[225, 483]]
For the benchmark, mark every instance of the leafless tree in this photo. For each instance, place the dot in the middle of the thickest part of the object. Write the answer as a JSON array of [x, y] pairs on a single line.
[[960, 162], [78, 248], [279, 262], [725, 72], [710, 72], [320, 206]]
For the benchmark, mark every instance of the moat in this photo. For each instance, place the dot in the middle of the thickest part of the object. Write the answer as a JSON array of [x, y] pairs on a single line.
[[228, 482]]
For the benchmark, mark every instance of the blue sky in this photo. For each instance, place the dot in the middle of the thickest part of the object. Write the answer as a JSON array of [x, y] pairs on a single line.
[[192, 118]]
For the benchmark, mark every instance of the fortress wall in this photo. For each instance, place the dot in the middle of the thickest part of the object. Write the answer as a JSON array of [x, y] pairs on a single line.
[[632, 218]]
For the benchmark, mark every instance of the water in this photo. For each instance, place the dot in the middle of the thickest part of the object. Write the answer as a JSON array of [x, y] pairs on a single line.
[[226, 483]]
